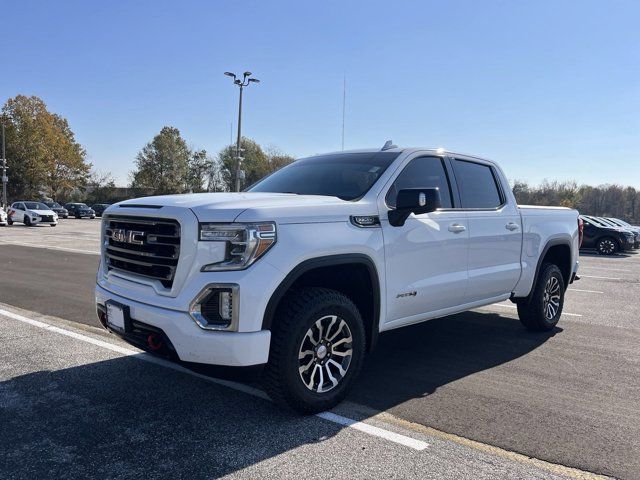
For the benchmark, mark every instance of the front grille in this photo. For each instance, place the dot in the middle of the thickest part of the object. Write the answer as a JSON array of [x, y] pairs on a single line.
[[149, 247], [46, 218]]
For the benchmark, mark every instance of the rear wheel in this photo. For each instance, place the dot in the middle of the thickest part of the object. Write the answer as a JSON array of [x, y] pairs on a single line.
[[317, 349], [607, 246], [542, 310], [53, 224]]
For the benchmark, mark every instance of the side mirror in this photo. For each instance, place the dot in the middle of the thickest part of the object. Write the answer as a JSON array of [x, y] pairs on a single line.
[[414, 200]]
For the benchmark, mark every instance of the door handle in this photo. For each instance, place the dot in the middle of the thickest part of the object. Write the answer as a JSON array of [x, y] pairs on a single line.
[[457, 228], [512, 226]]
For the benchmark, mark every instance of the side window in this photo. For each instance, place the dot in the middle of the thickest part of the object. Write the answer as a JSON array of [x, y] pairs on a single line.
[[422, 172], [477, 184]]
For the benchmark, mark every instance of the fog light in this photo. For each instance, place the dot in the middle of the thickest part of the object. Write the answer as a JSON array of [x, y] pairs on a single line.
[[216, 307], [225, 305]]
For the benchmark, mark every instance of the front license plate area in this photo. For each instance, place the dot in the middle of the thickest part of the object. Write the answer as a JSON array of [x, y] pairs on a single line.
[[116, 316]]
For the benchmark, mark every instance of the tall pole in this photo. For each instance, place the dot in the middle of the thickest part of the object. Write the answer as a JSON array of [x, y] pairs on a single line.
[[241, 84], [344, 102], [4, 171], [238, 158]]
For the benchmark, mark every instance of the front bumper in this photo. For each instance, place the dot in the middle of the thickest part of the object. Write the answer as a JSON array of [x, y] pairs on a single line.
[[191, 343]]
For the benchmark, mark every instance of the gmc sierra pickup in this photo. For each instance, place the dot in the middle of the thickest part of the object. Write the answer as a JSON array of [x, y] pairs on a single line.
[[302, 272]]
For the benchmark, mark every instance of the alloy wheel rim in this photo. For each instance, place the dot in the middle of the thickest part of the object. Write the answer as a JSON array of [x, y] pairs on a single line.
[[325, 354], [551, 298], [607, 246]]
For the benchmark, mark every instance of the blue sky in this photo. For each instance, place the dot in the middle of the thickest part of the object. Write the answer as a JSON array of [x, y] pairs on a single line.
[[551, 89]]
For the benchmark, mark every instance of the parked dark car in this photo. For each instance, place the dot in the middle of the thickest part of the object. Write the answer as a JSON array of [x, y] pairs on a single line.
[[607, 240], [633, 228], [99, 208], [609, 223], [59, 209], [80, 210]]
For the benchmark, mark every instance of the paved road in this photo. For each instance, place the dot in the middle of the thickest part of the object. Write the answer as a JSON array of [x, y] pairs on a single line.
[[73, 409], [568, 397]]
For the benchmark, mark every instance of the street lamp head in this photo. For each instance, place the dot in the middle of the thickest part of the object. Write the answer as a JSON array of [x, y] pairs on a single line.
[[229, 74], [255, 80], [246, 74]]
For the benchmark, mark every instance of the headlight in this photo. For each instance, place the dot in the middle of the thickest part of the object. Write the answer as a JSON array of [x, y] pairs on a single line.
[[245, 243]]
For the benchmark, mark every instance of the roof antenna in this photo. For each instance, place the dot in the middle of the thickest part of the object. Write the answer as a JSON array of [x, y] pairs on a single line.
[[388, 146]]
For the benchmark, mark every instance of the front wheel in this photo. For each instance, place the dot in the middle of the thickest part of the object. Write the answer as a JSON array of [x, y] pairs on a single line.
[[27, 221], [542, 310], [317, 349], [607, 246], [9, 221]]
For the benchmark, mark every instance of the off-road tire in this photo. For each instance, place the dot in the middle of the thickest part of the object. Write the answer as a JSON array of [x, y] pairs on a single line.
[[532, 310], [297, 313]]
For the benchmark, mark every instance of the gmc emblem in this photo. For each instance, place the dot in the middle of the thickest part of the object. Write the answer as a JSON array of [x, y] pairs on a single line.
[[127, 236]]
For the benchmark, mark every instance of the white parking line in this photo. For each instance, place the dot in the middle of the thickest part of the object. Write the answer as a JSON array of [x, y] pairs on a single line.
[[515, 306], [605, 268], [585, 291], [601, 278], [331, 417]]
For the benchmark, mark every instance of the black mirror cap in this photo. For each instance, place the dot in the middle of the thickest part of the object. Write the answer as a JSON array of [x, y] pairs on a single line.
[[414, 200]]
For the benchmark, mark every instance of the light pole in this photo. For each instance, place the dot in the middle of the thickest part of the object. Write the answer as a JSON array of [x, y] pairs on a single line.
[[246, 80], [4, 171]]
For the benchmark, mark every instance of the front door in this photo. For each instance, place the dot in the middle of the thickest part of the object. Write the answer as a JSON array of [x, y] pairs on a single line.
[[426, 258]]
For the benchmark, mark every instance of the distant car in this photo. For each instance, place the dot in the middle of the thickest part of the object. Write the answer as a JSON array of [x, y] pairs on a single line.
[[80, 210], [31, 213], [3, 217], [59, 209], [633, 228], [607, 240], [636, 235], [99, 208]]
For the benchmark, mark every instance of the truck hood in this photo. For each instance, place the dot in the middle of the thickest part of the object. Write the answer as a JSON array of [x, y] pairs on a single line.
[[253, 207]]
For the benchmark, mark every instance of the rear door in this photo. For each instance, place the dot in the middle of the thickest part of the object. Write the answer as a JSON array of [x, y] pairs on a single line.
[[495, 230], [426, 258], [18, 215]]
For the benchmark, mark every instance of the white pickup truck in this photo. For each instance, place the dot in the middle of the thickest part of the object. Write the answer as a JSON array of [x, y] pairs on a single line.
[[302, 272]]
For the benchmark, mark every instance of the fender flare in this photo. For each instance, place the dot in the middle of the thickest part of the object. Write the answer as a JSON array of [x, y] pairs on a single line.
[[554, 242], [328, 261]]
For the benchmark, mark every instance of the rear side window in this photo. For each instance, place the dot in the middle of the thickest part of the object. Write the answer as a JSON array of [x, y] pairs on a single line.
[[478, 187], [422, 172]]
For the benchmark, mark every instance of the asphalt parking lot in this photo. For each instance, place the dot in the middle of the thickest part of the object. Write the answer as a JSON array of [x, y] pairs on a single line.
[[468, 396]]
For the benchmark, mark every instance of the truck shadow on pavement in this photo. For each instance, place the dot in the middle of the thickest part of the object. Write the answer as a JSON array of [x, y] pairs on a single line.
[[126, 418], [413, 362]]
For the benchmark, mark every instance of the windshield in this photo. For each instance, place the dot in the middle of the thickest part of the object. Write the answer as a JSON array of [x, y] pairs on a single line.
[[35, 206], [79, 205], [344, 175], [598, 222], [53, 204]]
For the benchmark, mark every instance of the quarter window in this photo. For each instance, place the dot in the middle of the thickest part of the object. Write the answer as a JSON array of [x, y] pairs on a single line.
[[477, 183], [422, 172]]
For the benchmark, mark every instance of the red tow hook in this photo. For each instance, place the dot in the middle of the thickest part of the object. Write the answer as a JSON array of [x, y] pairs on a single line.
[[154, 341]]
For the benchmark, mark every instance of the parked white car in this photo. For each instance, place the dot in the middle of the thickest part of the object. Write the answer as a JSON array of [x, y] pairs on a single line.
[[301, 273], [3, 217], [31, 213]]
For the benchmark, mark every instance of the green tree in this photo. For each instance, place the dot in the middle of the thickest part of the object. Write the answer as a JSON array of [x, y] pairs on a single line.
[[199, 171], [256, 162], [101, 188], [42, 152], [163, 163]]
